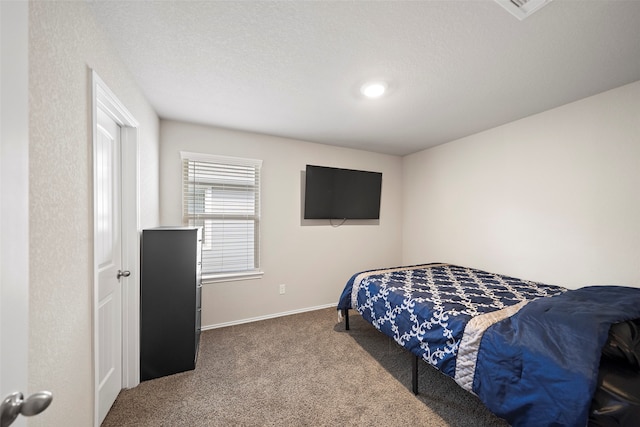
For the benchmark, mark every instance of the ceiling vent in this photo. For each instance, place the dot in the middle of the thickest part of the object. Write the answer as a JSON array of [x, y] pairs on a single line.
[[522, 8]]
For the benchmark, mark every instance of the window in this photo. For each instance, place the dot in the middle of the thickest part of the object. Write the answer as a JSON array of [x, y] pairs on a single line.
[[222, 195]]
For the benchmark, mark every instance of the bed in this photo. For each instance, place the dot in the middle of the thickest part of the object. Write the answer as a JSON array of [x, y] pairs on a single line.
[[528, 350]]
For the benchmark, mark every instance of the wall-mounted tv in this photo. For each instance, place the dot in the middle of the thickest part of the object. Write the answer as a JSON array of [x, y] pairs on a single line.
[[334, 193]]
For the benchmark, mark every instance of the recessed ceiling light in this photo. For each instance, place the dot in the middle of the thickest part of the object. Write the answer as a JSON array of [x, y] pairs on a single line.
[[373, 89]]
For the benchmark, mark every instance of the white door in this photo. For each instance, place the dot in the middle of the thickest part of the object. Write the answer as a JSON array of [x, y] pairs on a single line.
[[14, 190], [108, 261], [14, 218]]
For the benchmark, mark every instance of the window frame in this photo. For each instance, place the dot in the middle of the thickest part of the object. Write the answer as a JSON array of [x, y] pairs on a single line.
[[225, 276]]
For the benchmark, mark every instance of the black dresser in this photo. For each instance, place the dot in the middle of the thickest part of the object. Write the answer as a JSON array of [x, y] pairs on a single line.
[[170, 295]]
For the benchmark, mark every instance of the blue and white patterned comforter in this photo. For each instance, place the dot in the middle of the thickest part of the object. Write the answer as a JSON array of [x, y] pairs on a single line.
[[425, 308], [521, 346]]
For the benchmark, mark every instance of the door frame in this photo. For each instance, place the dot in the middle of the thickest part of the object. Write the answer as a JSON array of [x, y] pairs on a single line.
[[103, 98], [14, 199]]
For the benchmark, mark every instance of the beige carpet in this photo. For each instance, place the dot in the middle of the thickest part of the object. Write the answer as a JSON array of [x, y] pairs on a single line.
[[300, 370]]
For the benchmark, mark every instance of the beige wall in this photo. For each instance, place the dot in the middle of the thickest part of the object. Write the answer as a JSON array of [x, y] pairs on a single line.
[[554, 197], [64, 43], [314, 261]]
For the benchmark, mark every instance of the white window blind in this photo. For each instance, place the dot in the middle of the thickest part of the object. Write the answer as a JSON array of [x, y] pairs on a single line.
[[222, 195]]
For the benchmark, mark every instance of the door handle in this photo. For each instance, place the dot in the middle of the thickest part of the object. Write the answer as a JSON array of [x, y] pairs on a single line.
[[15, 404], [121, 273]]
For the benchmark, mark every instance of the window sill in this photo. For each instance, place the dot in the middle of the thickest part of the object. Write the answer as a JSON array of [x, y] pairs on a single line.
[[231, 277]]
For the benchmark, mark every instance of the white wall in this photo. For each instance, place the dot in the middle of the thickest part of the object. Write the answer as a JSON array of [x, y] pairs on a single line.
[[64, 43], [554, 197], [314, 261]]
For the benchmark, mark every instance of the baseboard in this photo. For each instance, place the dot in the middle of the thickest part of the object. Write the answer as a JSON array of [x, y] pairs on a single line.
[[268, 316]]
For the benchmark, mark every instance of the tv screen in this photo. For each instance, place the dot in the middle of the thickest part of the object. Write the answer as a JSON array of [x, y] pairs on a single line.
[[333, 193]]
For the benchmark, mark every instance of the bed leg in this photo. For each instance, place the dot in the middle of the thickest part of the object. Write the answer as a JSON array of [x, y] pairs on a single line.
[[414, 375], [345, 313]]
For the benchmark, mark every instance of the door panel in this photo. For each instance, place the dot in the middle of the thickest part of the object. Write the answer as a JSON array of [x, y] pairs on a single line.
[[108, 256]]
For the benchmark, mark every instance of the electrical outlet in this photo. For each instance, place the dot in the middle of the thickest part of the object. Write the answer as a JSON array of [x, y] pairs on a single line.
[[282, 288]]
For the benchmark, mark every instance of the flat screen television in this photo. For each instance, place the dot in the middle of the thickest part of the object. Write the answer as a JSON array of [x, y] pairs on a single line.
[[334, 193]]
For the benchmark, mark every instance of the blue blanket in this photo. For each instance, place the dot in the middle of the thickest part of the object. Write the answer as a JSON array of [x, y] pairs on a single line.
[[530, 351], [539, 367]]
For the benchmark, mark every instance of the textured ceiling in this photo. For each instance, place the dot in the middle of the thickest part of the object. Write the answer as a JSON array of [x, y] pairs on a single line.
[[293, 68]]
